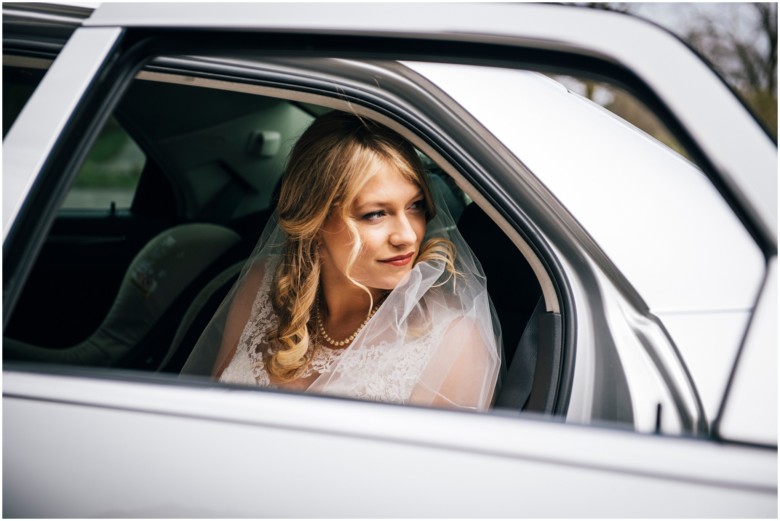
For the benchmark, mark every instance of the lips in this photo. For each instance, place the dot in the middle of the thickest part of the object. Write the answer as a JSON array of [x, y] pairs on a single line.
[[400, 260]]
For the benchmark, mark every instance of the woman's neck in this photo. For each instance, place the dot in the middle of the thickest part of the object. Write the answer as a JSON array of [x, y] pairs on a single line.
[[346, 302]]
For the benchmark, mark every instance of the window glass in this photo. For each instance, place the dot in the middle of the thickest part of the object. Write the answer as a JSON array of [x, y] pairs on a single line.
[[623, 105], [110, 173], [112, 169]]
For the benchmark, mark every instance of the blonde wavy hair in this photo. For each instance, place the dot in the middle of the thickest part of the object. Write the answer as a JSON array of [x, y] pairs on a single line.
[[328, 166]]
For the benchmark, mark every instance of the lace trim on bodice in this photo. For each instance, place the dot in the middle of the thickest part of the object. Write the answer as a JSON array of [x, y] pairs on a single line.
[[382, 372], [248, 359], [386, 372]]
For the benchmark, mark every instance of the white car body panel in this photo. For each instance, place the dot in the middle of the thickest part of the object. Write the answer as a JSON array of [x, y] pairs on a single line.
[[701, 256], [690, 258], [702, 334], [646, 387], [379, 460], [750, 409]]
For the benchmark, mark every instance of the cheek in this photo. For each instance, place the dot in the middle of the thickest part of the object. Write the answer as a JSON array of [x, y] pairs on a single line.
[[372, 239], [336, 239]]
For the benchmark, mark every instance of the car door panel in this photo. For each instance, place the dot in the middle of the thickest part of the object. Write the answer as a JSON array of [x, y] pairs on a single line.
[[254, 453]]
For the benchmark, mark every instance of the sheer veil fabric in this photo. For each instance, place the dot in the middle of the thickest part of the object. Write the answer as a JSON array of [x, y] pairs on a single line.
[[434, 341]]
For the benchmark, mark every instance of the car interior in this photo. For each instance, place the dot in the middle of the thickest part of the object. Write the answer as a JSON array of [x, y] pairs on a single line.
[[131, 284]]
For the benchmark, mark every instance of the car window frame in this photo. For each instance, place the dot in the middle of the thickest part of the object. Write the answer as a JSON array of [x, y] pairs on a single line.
[[143, 44]]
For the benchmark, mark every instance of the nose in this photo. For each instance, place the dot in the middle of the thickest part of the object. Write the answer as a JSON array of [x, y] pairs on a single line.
[[403, 232]]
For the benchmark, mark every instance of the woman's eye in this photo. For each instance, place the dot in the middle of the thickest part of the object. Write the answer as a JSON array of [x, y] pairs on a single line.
[[418, 206], [372, 216]]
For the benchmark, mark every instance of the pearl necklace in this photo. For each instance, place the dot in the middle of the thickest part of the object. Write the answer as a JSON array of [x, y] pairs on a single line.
[[350, 338]]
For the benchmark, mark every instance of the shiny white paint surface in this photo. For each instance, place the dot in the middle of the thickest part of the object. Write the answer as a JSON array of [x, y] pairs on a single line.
[[646, 387], [231, 452], [702, 334], [31, 138], [656, 216], [750, 411]]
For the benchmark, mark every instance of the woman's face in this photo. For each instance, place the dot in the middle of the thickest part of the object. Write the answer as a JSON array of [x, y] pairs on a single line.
[[389, 214]]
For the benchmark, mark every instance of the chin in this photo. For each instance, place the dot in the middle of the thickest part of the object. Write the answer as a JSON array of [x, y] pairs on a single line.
[[383, 285], [389, 283]]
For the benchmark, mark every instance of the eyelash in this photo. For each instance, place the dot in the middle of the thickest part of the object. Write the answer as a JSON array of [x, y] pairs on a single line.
[[418, 205], [373, 215]]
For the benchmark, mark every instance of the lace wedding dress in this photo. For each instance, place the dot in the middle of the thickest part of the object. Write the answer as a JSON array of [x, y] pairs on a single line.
[[387, 373]]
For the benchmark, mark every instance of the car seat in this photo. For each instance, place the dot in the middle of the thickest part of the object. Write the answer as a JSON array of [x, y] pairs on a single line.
[[158, 275], [533, 376], [197, 316]]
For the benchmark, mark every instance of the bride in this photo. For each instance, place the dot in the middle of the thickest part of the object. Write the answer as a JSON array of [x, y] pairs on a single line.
[[360, 285]]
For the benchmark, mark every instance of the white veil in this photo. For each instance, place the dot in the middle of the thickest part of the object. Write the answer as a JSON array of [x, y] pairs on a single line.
[[434, 340]]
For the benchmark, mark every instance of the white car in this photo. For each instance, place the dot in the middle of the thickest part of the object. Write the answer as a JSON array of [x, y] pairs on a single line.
[[637, 288]]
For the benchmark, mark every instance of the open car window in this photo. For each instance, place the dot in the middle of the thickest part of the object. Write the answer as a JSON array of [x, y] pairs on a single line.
[[213, 146], [204, 161]]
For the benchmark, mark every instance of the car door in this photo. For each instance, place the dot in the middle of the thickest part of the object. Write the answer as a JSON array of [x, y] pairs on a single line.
[[139, 445]]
